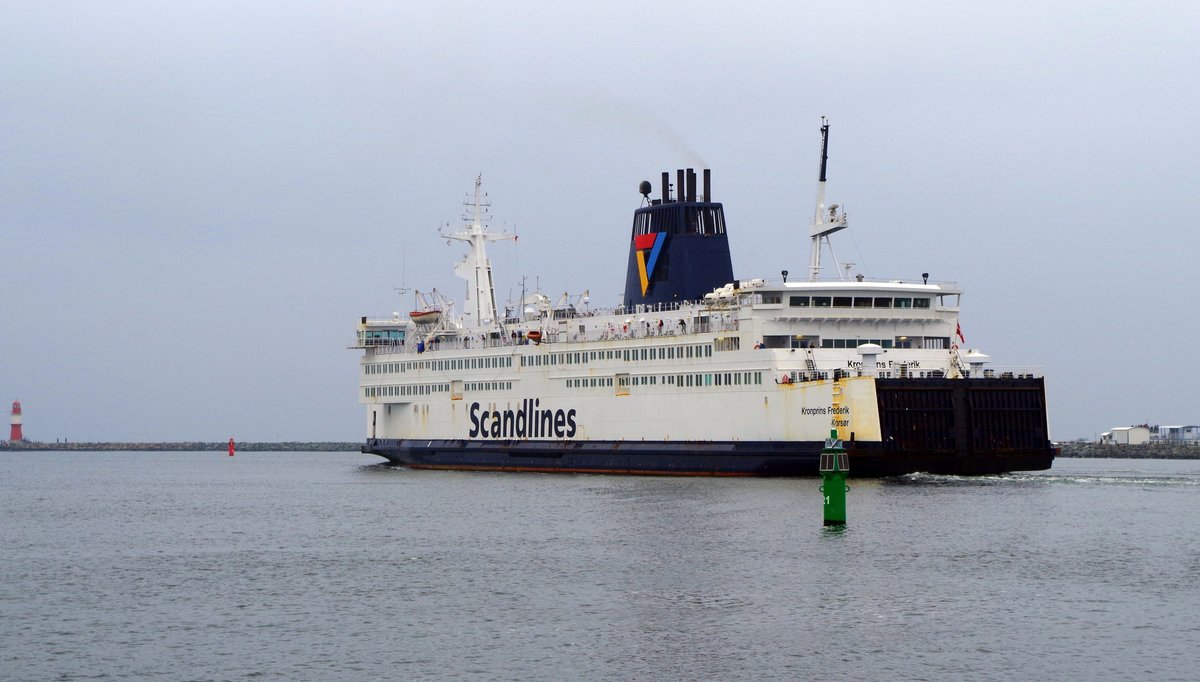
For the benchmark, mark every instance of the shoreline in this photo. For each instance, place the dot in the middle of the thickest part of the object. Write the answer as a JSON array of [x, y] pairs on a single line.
[[1069, 450]]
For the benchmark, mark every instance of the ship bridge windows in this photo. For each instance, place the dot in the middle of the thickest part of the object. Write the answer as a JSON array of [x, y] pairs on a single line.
[[855, 343], [924, 342], [381, 337], [868, 301]]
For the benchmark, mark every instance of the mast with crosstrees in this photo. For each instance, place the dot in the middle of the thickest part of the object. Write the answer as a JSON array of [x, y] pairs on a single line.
[[480, 305]]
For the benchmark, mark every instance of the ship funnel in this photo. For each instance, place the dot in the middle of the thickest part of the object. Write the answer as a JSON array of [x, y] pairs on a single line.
[[679, 250]]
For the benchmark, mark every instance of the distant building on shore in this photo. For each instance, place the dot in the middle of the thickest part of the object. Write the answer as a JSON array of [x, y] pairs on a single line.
[[1175, 434], [1126, 435], [1145, 433]]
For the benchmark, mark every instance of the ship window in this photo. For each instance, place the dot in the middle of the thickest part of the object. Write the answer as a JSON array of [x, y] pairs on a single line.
[[920, 303], [883, 302], [886, 343], [841, 301], [862, 301], [718, 379], [820, 301], [827, 343], [708, 351], [798, 301], [903, 302]]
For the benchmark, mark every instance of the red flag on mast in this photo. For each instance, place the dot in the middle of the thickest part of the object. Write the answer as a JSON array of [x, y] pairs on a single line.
[[958, 330]]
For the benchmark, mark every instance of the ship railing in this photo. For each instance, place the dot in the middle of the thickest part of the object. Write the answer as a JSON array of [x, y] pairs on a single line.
[[947, 284], [638, 325]]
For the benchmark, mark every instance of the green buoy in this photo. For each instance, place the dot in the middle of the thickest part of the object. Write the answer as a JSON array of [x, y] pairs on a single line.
[[835, 467]]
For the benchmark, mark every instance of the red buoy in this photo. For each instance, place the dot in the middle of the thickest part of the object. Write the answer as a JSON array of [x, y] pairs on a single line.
[[231, 447]]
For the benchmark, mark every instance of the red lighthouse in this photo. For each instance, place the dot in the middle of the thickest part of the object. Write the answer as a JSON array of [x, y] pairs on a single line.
[[15, 434]]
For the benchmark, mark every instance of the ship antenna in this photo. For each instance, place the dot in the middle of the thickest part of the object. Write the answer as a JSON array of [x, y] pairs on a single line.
[[824, 222]]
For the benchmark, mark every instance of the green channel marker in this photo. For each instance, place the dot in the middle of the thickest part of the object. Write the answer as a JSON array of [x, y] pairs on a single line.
[[835, 467]]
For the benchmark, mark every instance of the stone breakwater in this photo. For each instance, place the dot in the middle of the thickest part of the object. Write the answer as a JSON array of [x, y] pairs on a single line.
[[191, 446], [1144, 451]]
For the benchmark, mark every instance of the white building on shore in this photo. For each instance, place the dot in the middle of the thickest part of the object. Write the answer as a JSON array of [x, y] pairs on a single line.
[[1126, 435], [1175, 434]]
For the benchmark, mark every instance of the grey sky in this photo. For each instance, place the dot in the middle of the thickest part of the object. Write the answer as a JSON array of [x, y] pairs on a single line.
[[198, 200]]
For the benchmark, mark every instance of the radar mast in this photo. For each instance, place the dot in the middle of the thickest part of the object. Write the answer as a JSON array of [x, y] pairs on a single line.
[[480, 306], [825, 221]]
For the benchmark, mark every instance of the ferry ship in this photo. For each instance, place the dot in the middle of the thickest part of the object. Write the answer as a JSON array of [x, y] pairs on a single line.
[[696, 372]]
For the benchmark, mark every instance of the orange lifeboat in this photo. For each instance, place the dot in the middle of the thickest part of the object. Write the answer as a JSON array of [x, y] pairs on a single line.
[[430, 316]]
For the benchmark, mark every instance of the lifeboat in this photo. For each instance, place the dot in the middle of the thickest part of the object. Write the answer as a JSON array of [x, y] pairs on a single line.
[[430, 316], [534, 336]]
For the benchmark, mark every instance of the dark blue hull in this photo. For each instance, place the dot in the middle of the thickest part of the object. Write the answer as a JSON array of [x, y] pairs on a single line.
[[605, 457], [867, 460]]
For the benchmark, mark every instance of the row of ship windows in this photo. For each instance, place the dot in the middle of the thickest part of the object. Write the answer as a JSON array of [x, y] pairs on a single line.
[[680, 380], [927, 342], [627, 355], [855, 343], [412, 389], [623, 381], [856, 302], [488, 386], [439, 365]]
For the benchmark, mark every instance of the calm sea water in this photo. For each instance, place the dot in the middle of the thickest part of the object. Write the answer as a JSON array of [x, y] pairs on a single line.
[[312, 566]]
